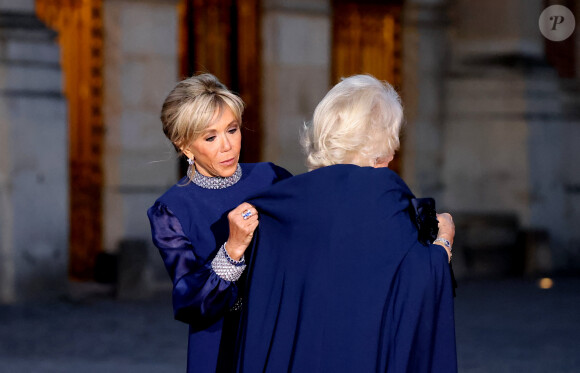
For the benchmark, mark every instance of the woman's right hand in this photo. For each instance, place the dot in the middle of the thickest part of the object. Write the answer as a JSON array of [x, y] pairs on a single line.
[[241, 230], [446, 227], [446, 230]]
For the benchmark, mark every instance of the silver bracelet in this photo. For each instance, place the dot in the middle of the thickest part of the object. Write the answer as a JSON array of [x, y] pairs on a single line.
[[226, 267], [445, 243], [240, 262]]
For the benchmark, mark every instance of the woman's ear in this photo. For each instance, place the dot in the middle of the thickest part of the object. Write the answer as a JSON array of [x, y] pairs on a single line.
[[187, 153], [384, 162]]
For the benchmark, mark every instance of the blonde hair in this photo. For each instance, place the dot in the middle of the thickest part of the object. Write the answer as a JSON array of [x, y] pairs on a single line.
[[358, 122], [190, 108]]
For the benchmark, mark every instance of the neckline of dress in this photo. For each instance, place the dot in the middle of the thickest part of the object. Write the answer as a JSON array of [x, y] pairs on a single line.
[[217, 182]]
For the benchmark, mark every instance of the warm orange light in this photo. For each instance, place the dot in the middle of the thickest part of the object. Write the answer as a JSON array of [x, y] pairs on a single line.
[[545, 283]]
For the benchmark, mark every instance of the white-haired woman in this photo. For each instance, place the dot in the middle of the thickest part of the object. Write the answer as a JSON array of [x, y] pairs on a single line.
[[344, 276], [201, 225]]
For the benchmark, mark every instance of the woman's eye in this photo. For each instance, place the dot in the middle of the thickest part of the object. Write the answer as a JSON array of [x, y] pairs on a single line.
[[233, 130], [210, 139]]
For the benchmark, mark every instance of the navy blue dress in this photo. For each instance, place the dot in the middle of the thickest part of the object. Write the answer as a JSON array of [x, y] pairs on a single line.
[[189, 224], [338, 280]]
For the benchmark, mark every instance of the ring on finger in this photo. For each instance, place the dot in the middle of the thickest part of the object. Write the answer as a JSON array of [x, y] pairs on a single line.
[[246, 214]]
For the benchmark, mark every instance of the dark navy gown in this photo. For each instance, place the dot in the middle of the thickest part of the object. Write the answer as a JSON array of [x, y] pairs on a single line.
[[189, 224], [338, 280]]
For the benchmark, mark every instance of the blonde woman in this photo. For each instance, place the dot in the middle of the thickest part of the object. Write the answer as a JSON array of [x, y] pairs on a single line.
[[201, 225]]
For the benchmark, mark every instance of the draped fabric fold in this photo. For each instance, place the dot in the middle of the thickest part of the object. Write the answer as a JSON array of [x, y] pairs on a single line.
[[338, 280]]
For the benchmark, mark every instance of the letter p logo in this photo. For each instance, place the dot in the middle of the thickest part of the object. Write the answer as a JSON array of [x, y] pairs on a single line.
[[557, 23], [556, 20]]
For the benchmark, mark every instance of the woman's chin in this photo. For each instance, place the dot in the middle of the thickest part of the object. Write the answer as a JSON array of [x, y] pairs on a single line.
[[228, 170]]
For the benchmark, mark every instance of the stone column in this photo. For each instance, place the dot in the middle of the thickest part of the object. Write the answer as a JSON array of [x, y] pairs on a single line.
[[424, 66], [507, 136], [296, 60], [141, 61], [499, 92], [33, 158]]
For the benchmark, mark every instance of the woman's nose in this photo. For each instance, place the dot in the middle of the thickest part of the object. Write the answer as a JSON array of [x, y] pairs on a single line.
[[226, 145]]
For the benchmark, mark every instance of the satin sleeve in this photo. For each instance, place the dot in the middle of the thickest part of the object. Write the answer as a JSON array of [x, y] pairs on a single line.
[[200, 296]]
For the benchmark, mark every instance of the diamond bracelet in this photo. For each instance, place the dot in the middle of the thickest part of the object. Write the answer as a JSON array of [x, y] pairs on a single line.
[[226, 267], [446, 243]]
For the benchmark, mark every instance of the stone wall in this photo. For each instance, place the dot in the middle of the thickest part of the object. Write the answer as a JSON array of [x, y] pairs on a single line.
[[26, 6], [33, 158], [141, 46], [296, 61], [508, 131], [425, 57]]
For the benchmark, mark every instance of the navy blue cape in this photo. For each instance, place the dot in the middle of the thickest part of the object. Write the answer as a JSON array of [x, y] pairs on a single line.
[[188, 225], [339, 282]]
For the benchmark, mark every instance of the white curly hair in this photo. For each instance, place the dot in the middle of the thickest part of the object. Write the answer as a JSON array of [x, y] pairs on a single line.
[[357, 122]]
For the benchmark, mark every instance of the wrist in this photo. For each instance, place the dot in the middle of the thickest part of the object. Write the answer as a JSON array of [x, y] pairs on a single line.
[[446, 237], [235, 252], [443, 241], [227, 268]]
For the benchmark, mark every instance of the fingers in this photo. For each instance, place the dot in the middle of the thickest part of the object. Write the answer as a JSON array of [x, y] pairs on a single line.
[[249, 213], [444, 217], [248, 218], [245, 210], [251, 227], [446, 227], [246, 206], [445, 220]]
